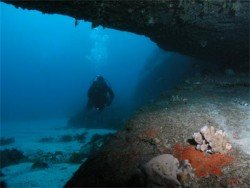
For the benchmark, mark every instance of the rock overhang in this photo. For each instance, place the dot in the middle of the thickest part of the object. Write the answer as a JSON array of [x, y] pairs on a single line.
[[212, 30]]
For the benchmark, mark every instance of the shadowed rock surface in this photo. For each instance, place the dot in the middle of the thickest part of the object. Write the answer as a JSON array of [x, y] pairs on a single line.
[[210, 30]]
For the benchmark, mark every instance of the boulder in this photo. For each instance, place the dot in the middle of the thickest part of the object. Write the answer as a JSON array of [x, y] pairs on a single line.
[[10, 157], [161, 171]]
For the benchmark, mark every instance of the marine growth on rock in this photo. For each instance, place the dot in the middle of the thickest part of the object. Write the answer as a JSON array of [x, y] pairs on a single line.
[[211, 141], [203, 164]]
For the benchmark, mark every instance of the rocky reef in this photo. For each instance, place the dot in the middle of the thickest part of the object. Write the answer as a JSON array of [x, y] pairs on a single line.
[[164, 127], [39, 165], [11, 156], [211, 141], [211, 30]]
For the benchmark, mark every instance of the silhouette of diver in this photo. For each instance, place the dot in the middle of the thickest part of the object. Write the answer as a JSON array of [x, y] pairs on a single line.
[[99, 94]]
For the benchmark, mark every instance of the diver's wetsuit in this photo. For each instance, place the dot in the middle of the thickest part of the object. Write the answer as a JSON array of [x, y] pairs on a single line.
[[99, 95]]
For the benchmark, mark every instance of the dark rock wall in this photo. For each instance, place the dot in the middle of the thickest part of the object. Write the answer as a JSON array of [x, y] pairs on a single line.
[[162, 72]]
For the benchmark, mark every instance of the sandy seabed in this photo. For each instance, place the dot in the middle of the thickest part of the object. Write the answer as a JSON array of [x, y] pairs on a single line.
[[27, 135]]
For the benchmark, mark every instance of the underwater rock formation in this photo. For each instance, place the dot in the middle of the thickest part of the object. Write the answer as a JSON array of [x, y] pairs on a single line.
[[160, 68], [39, 165], [3, 184], [166, 171], [77, 158], [211, 141], [210, 30], [6, 141], [95, 144], [204, 164], [185, 173], [66, 138], [55, 157], [161, 171], [10, 157], [164, 126]]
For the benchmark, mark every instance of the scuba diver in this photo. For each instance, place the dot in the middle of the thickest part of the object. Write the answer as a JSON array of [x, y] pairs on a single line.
[[99, 94]]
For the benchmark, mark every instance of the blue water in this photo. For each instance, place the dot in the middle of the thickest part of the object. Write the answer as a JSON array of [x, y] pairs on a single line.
[[47, 66]]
